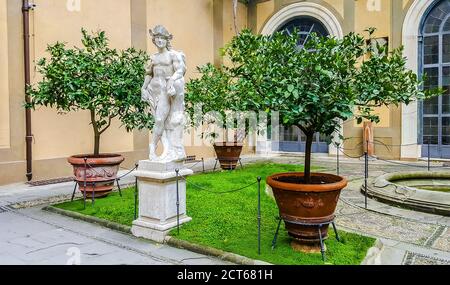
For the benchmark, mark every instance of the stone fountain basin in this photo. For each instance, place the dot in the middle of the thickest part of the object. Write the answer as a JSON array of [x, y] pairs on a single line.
[[397, 189]]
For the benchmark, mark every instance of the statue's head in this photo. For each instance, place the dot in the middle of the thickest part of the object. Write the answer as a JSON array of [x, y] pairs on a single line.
[[161, 37]]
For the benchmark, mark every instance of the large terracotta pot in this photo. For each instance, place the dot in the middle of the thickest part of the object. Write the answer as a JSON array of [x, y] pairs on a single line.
[[101, 169], [311, 204], [228, 154]]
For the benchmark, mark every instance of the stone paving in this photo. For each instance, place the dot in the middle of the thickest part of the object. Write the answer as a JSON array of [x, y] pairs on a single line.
[[32, 236]]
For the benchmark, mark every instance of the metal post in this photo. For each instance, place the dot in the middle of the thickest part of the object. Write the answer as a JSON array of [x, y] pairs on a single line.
[[93, 194], [178, 202], [135, 197], [259, 215], [203, 164], [275, 237], [135, 193], [118, 187], [335, 231], [366, 176], [337, 161], [322, 248], [74, 190], [428, 154], [84, 184]]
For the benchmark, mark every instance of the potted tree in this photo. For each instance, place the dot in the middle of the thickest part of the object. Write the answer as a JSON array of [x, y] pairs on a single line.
[[103, 81], [220, 96], [316, 87]]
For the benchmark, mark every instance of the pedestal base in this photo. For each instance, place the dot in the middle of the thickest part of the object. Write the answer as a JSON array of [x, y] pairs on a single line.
[[154, 230], [160, 191]]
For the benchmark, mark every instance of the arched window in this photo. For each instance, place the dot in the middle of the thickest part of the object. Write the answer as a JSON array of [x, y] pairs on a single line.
[[435, 63], [292, 138], [304, 25]]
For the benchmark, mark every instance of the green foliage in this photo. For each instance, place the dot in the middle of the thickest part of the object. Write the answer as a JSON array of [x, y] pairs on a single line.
[[219, 94], [384, 80], [228, 221], [319, 85], [97, 78], [326, 81]]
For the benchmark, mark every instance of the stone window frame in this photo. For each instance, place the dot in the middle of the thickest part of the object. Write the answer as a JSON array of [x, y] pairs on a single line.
[[411, 148], [317, 11]]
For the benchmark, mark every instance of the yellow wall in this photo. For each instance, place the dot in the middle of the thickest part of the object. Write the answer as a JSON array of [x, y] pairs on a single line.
[[388, 131], [65, 135], [263, 11], [4, 90], [195, 27], [191, 23], [241, 20], [380, 20]]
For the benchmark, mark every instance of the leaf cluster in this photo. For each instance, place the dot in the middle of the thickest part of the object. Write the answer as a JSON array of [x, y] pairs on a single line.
[[94, 77]]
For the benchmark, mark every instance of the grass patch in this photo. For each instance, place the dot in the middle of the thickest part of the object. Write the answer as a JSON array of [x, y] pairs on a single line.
[[229, 221], [112, 208]]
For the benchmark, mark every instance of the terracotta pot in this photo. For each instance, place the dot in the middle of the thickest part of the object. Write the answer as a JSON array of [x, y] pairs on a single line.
[[101, 169], [228, 154], [311, 204]]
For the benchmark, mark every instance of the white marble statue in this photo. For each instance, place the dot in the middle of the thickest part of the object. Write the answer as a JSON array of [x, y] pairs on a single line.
[[164, 90]]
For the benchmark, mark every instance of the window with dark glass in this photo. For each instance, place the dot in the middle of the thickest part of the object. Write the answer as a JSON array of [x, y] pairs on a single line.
[[293, 137], [435, 59]]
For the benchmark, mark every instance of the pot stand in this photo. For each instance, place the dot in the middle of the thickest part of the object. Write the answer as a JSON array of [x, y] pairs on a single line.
[[86, 183], [319, 226], [227, 159]]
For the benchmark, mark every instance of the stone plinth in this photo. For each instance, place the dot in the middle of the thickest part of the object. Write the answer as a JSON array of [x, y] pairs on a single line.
[[157, 184]]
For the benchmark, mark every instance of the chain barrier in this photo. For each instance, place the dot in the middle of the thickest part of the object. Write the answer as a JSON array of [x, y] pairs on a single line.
[[348, 155], [258, 181], [215, 192], [202, 161], [389, 148], [129, 172]]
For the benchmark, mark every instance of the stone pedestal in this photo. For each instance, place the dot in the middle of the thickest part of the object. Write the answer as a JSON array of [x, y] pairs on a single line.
[[157, 184]]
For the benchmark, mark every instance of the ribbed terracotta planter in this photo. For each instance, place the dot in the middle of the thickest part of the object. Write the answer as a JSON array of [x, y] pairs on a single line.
[[312, 204], [101, 169], [228, 154]]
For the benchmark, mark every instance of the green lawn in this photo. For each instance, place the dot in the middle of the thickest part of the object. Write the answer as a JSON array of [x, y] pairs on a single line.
[[229, 221]]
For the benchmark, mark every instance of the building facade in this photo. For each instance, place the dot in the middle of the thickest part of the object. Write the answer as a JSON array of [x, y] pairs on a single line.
[[407, 132], [200, 28]]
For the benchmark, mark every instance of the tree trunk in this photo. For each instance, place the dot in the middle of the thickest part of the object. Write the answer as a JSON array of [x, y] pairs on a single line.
[[308, 151], [97, 145], [96, 134]]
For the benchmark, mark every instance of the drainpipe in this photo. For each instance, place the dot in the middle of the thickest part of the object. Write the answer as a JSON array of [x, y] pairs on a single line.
[[26, 7]]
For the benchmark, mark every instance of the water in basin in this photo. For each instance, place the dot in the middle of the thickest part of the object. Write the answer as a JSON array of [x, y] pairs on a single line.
[[437, 184]]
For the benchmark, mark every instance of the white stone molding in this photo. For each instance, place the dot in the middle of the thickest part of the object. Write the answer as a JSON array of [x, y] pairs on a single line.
[[410, 40], [328, 19]]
